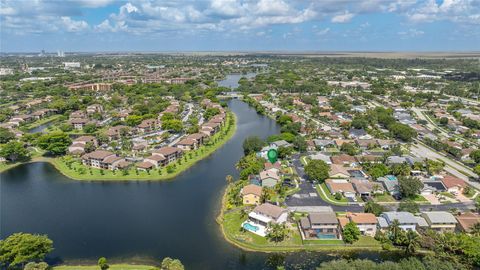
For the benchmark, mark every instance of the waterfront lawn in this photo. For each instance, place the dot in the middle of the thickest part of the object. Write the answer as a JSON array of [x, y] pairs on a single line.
[[232, 222], [78, 171], [112, 267], [41, 122]]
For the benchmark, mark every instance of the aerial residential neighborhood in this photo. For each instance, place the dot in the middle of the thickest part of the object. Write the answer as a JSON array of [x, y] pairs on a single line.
[[240, 134]]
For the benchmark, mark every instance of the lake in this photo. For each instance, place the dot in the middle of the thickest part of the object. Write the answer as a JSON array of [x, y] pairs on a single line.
[[140, 221], [231, 80]]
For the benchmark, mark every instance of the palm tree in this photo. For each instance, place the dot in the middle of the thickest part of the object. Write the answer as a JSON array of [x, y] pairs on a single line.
[[412, 242], [475, 229], [394, 230], [229, 179]]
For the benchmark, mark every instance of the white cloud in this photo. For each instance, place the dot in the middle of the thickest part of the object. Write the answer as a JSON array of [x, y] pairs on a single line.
[[72, 25], [343, 18], [321, 32], [411, 33]]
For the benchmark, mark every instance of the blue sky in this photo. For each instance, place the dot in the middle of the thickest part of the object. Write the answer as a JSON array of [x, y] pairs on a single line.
[[232, 25]]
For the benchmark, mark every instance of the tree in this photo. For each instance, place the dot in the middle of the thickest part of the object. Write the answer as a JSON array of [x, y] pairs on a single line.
[[351, 233], [349, 149], [409, 206], [252, 144], [433, 166], [475, 230], [211, 112], [56, 142], [174, 124], [103, 264], [476, 169], [20, 248], [90, 128], [284, 152], [300, 144], [412, 242], [133, 120], [6, 135], [229, 179], [317, 170], [171, 264], [402, 132], [37, 266], [443, 121], [409, 186], [475, 155], [276, 232], [374, 208], [395, 232], [14, 151], [378, 170]]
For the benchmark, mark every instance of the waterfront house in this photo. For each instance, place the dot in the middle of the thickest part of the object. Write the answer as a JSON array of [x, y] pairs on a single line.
[[406, 220], [198, 137], [466, 221], [155, 160], [169, 153], [320, 225], [79, 123], [277, 166], [262, 216], [102, 159], [366, 222], [440, 221], [187, 144], [251, 194], [269, 178]]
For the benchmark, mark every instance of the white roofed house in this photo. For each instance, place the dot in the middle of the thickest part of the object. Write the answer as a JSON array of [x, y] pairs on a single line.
[[406, 220], [262, 216], [440, 221]]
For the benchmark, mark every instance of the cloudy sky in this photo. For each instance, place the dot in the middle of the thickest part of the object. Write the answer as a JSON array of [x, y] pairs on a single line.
[[223, 25]]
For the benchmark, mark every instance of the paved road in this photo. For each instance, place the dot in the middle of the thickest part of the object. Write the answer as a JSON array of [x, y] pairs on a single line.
[[308, 197], [430, 126], [450, 166]]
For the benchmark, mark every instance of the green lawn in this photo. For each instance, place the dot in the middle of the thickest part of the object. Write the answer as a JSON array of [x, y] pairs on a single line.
[[419, 198], [41, 122], [329, 198], [112, 267], [385, 197]]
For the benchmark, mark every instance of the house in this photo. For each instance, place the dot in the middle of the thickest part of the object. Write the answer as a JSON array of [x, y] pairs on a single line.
[[431, 187], [365, 188], [77, 114], [262, 216], [320, 225], [277, 166], [440, 221], [322, 157], [390, 183], [386, 144], [355, 133], [453, 184], [169, 153], [147, 125], [466, 221], [187, 144], [117, 131], [78, 145], [269, 178], [280, 143], [338, 171], [340, 142], [79, 123], [366, 222], [323, 144], [344, 159], [94, 108], [102, 159], [341, 186], [366, 144], [391, 160], [155, 160], [251, 194], [198, 137], [406, 220]]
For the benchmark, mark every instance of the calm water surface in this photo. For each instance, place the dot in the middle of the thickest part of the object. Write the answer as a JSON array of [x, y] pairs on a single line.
[[139, 221], [231, 80]]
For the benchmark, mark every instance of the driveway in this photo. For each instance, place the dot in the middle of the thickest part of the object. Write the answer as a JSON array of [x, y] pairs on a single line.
[[432, 198]]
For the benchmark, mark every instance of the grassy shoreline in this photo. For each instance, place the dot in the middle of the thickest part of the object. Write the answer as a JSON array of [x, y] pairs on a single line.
[[98, 175], [111, 266], [229, 223]]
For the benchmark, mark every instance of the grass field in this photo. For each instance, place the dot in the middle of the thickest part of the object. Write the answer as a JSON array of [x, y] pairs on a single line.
[[329, 197]]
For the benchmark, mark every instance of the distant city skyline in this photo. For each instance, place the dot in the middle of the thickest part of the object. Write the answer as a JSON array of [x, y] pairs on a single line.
[[230, 25]]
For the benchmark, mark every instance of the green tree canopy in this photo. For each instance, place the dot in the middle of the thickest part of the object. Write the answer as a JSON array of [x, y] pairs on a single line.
[[56, 142], [20, 248], [317, 170]]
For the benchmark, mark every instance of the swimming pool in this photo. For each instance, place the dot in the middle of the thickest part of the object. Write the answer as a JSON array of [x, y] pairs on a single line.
[[250, 227], [326, 236]]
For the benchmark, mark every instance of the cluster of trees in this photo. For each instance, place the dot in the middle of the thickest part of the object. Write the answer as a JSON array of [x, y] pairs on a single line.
[[475, 156], [410, 263], [385, 118], [317, 170], [441, 146], [21, 248]]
